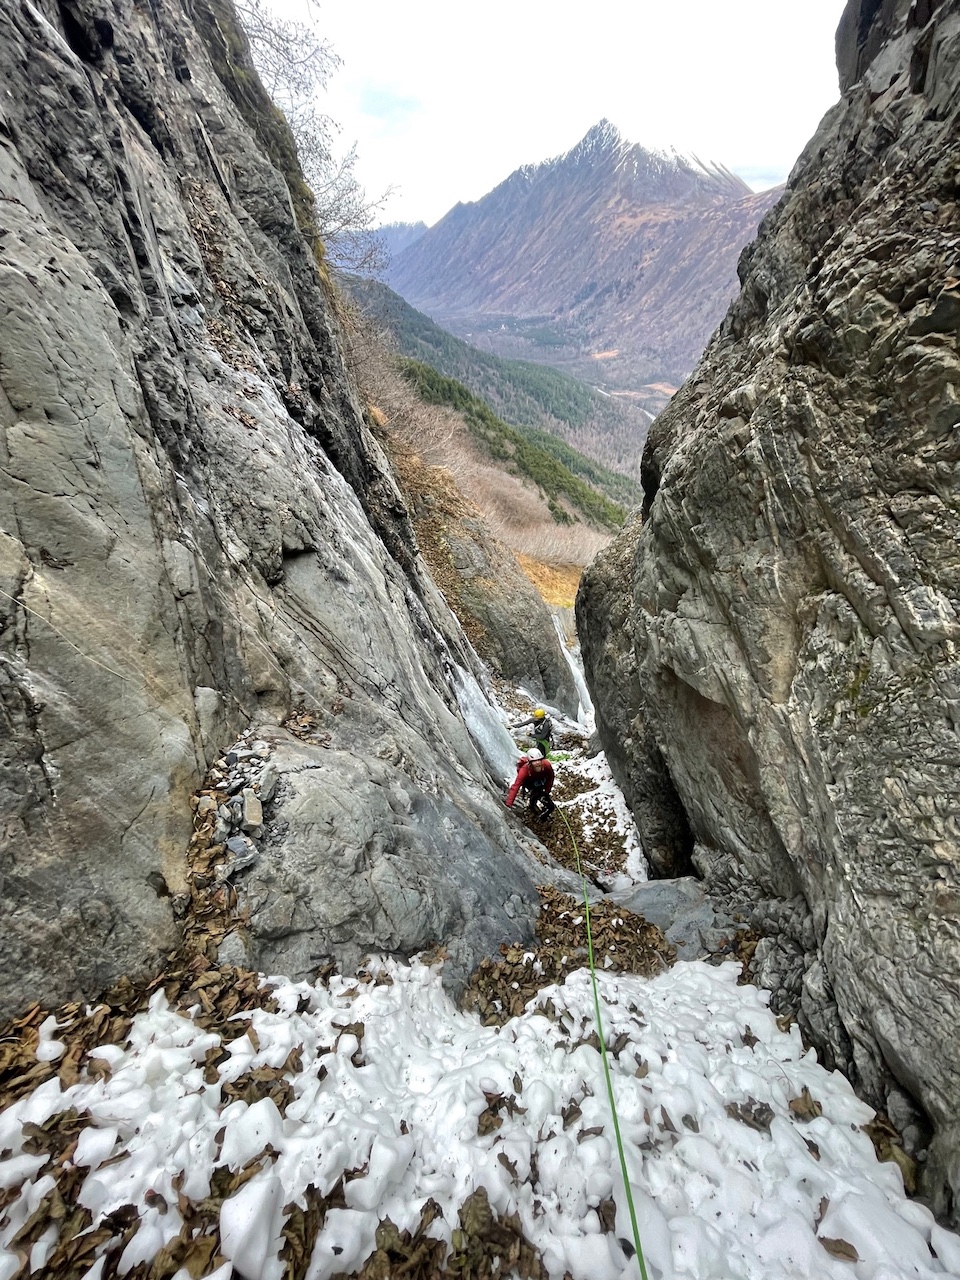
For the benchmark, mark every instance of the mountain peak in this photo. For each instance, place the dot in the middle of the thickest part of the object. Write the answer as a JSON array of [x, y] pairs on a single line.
[[591, 261], [603, 134], [601, 139]]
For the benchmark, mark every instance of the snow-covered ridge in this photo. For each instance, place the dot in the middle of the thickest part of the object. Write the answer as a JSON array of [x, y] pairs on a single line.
[[603, 145], [605, 142]]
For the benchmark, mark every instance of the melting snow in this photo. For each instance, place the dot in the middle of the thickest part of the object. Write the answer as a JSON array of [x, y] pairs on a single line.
[[388, 1081], [716, 1198]]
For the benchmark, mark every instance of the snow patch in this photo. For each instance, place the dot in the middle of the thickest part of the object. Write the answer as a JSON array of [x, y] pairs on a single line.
[[716, 1197]]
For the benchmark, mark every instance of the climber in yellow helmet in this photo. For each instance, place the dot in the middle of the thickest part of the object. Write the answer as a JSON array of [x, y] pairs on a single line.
[[541, 727]]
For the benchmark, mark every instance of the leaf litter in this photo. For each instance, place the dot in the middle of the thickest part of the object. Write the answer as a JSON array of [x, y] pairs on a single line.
[[208, 1122]]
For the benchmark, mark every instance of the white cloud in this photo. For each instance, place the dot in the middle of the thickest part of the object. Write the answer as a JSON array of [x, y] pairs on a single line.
[[446, 100]]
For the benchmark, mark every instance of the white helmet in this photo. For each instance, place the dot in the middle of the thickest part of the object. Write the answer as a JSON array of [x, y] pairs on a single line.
[[534, 754]]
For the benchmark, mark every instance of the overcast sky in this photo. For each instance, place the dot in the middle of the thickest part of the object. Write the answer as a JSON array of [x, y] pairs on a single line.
[[445, 99]]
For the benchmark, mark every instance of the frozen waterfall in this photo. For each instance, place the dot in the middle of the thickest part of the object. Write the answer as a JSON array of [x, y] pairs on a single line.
[[585, 715]]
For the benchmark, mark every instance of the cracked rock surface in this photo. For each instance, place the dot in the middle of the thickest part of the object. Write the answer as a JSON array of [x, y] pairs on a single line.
[[773, 651], [198, 531]]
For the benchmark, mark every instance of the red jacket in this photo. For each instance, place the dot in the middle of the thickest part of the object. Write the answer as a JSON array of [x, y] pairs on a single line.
[[531, 773]]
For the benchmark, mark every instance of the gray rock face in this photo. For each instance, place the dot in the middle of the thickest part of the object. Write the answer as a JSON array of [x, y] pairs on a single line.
[[518, 636], [684, 912], [197, 529], [424, 863], [605, 621], [785, 638], [499, 608]]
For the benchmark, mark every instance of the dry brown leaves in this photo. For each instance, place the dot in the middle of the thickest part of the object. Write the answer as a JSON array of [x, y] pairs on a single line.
[[109, 1023], [197, 1246], [259, 1083], [887, 1143], [601, 852], [414, 1254], [842, 1249], [744, 945], [188, 980], [500, 989], [601, 846], [212, 908], [486, 1246], [570, 784], [72, 1256], [77, 1247], [305, 725], [302, 1227], [630, 943], [805, 1107], [490, 1118], [199, 1254], [755, 1115]]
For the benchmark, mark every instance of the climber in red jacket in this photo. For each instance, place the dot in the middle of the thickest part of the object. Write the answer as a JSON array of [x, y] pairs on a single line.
[[535, 777]]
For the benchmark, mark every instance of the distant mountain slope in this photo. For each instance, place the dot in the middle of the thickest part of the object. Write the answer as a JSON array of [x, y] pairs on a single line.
[[397, 236], [548, 515], [605, 429], [572, 486], [611, 261]]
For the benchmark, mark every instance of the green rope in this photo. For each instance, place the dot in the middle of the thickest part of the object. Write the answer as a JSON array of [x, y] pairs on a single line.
[[603, 1054]]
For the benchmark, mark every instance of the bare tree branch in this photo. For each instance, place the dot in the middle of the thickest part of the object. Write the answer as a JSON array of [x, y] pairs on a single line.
[[295, 65]]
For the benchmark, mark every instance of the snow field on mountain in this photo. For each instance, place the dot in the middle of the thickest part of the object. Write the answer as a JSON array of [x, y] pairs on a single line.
[[715, 1197]]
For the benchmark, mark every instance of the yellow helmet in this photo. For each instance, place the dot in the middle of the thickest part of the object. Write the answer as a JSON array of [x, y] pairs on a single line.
[[539, 714]]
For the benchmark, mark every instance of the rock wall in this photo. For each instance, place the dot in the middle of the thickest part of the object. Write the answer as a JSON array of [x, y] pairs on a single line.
[[499, 608], [198, 531], [773, 651]]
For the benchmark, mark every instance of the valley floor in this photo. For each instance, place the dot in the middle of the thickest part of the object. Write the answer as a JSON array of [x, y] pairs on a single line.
[[364, 1126]]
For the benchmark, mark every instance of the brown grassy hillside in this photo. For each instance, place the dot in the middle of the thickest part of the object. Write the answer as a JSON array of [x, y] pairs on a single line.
[[432, 437]]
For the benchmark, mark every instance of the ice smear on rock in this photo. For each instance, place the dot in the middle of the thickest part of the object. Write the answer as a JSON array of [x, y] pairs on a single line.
[[486, 726], [718, 1198], [585, 715]]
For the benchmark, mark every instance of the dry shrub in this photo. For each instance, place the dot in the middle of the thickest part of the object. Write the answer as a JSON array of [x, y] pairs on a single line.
[[514, 510]]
